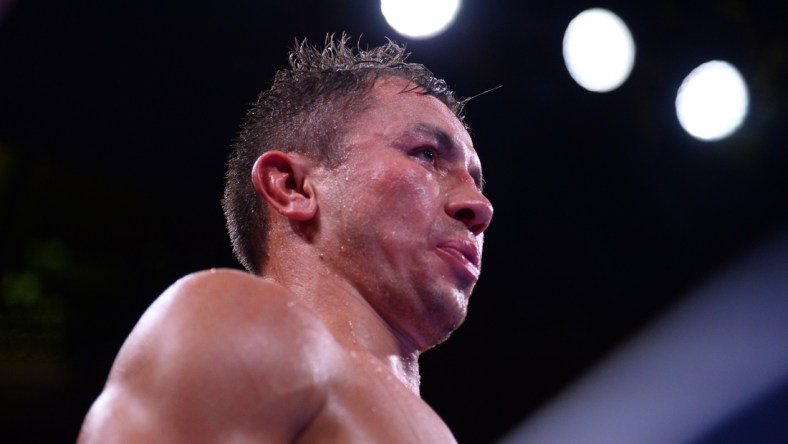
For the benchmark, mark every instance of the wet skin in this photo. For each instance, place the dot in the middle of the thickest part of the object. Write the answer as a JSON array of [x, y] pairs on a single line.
[[325, 346]]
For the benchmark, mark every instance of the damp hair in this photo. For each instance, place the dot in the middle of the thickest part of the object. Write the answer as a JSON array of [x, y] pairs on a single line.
[[305, 111]]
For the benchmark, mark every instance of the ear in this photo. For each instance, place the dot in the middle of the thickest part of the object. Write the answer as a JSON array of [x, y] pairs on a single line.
[[281, 178]]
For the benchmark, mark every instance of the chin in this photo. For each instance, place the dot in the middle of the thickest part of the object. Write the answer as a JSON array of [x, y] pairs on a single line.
[[440, 338], [447, 317]]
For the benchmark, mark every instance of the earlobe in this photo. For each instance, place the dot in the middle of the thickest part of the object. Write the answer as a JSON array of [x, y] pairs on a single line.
[[282, 180]]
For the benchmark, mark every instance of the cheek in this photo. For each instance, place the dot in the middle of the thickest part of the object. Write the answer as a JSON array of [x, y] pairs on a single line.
[[389, 199], [411, 192]]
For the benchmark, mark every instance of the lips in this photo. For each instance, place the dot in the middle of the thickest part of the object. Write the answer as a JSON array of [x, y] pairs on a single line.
[[463, 254]]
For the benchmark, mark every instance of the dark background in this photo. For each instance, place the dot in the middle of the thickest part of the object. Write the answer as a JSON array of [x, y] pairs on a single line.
[[115, 120]]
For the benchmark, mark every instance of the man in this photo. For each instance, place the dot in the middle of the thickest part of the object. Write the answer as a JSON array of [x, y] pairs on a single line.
[[354, 200]]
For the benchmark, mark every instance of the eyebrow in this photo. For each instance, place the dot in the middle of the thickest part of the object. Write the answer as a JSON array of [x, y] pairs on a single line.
[[446, 142]]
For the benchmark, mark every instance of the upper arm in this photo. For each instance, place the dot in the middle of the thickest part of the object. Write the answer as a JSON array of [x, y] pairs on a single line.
[[211, 362]]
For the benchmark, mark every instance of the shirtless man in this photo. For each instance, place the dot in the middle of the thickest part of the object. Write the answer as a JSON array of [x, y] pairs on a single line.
[[354, 199]]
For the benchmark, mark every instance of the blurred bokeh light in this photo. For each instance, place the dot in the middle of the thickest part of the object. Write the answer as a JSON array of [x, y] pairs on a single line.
[[712, 102], [599, 51], [420, 19]]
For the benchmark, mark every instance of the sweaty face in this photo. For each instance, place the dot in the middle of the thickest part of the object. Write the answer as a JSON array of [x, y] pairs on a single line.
[[403, 216]]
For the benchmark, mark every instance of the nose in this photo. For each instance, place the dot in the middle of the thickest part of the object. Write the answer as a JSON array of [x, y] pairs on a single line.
[[472, 208]]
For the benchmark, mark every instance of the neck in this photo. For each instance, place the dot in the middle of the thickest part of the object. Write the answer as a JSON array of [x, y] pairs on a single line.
[[345, 311]]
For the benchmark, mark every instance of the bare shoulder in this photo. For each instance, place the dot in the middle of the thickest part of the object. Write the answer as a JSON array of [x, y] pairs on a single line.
[[220, 355], [225, 297], [235, 310], [226, 306]]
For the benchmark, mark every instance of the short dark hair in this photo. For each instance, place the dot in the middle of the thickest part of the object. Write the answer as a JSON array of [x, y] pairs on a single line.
[[305, 111]]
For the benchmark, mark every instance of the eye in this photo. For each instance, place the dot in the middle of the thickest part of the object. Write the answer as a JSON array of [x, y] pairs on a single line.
[[427, 153]]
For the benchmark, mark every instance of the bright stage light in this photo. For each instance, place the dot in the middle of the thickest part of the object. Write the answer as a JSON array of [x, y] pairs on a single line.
[[598, 50], [420, 19], [712, 101]]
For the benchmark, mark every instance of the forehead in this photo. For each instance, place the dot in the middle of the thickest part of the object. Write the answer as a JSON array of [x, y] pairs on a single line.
[[394, 95], [396, 108]]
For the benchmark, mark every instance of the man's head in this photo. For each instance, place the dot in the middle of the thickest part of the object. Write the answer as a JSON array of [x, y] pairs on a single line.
[[306, 111], [401, 220]]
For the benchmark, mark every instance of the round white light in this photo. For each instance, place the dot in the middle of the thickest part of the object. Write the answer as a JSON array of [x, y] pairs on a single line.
[[419, 19], [598, 50], [712, 101]]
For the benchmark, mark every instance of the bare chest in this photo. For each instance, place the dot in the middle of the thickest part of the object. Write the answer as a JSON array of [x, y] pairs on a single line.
[[367, 404]]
